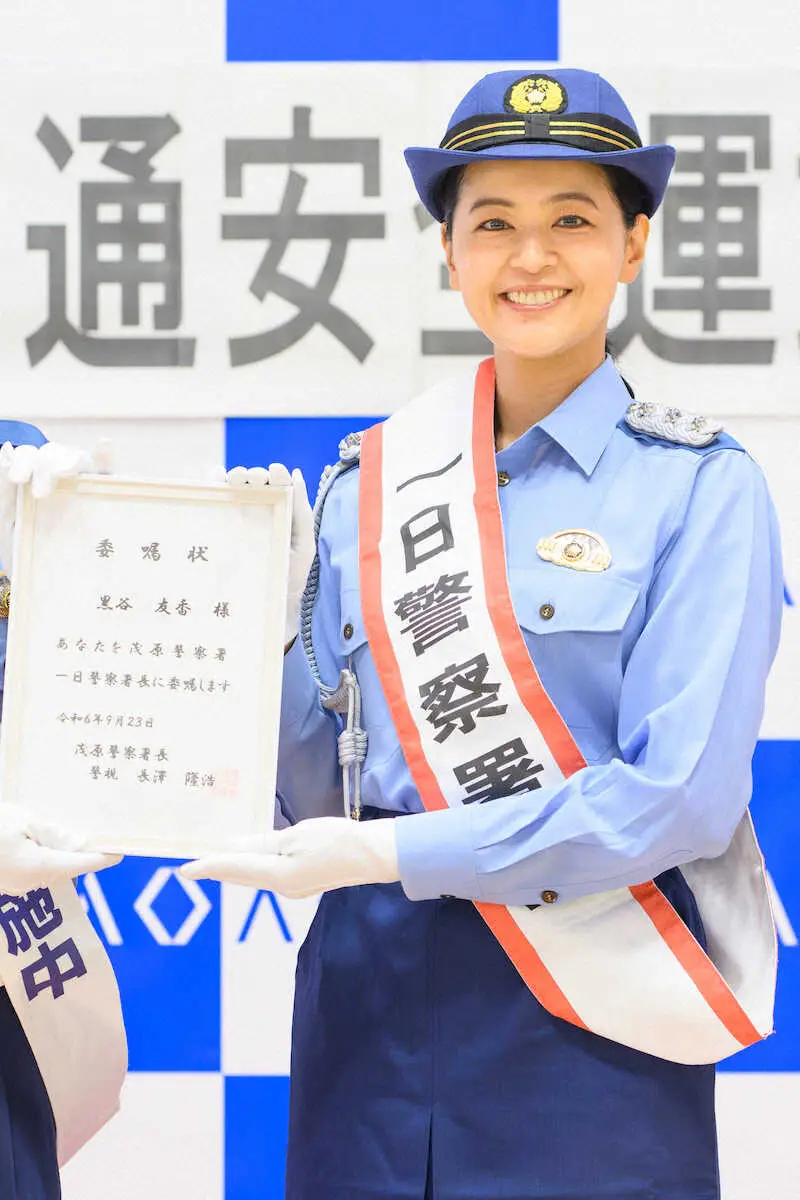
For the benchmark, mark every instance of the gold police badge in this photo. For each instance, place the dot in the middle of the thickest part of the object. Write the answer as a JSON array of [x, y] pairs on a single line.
[[536, 94], [577, 548]]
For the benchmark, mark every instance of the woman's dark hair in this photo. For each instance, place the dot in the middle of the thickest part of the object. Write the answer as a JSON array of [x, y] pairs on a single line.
[[630, 193], [447, 195]]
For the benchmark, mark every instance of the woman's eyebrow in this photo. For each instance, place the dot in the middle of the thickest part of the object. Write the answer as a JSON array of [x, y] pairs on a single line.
[[573, 196], [500, 202], [492, 201]]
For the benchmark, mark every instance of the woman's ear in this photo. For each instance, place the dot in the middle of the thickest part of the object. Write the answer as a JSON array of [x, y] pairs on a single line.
[[447, 246], [636, 244]]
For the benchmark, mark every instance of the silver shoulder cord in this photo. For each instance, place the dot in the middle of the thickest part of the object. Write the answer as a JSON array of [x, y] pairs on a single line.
[[346, 696]]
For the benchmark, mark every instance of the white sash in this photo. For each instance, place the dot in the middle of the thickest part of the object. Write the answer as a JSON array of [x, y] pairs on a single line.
[[63, 988], [620, 963]]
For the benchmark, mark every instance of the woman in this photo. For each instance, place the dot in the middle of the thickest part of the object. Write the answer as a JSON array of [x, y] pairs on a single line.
[[580, 735]]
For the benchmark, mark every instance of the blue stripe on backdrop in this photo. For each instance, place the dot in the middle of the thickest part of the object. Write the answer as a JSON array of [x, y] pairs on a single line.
[[357, 30], [776, 811], [256, 1124], [309, 443]]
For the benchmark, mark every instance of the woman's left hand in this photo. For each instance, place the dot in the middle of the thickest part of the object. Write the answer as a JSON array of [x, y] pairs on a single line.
[[313, 856]]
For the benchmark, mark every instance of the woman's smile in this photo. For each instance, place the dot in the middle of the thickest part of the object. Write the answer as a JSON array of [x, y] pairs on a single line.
[[534, 300]]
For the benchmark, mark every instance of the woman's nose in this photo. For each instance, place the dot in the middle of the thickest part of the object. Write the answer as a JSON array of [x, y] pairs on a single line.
[[532, 252]]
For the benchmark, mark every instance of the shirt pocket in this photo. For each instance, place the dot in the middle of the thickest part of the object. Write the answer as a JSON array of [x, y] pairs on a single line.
[[550, 599], [576, 628]]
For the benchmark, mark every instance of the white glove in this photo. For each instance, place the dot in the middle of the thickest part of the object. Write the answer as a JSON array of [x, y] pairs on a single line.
[[36, 855], [303, 547], [42, 467], [313, 856]]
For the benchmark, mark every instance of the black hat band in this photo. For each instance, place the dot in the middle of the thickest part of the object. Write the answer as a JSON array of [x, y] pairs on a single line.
[[594, 132]]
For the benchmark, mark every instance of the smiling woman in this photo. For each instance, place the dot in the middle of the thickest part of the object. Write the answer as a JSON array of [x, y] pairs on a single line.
[[630, 193], [552, 918], [537, 249]]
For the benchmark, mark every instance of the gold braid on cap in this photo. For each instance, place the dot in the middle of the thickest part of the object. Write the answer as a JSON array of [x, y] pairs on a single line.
[[594, 132]]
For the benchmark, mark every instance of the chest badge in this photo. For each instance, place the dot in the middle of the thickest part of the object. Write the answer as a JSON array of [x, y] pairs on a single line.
[[576, 548]]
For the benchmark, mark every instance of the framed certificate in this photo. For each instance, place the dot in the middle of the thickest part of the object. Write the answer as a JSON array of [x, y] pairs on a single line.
[[145, 654]]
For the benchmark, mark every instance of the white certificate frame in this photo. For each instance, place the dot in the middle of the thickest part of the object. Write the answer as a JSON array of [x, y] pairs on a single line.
[[24, 748]]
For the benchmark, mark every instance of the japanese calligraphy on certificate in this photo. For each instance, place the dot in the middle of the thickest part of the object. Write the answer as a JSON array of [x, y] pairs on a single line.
[[145, 656]]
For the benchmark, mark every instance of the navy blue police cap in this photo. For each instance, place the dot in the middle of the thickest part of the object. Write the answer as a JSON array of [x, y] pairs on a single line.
[[566, 114]]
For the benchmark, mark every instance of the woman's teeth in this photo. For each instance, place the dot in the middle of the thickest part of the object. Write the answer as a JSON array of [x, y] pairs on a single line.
[[536, 299]]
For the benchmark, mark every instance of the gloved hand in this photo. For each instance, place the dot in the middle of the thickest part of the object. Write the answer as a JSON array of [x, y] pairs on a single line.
[[303, 547], [42, 467], [35, 854], [313, 856]]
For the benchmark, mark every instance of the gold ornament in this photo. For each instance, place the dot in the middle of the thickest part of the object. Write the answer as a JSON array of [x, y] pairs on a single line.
[[536, 94], [576, 548]]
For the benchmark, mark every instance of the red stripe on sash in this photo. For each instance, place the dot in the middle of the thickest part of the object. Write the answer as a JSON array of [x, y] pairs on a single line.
[[535, 974], [696, 963], [698, 966], [559, 740], [370, 522], [526, 680]]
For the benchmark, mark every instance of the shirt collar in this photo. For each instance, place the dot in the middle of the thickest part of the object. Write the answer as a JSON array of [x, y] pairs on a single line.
[[582, 424]]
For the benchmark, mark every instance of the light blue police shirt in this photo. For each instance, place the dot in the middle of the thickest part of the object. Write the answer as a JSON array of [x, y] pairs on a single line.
[[657, 664]]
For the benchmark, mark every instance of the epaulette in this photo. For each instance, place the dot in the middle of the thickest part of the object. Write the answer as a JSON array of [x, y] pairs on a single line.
[[672, 424], [350, 447]]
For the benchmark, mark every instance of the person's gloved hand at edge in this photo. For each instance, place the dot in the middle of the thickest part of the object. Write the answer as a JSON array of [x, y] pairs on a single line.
[[41, 467], [36, 854]]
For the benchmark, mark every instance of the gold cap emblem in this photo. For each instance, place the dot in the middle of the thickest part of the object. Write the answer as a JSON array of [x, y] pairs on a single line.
[[576, 548], [536, 94]]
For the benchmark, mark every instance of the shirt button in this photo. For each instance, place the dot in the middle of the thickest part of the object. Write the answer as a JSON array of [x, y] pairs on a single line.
[[547, 612], [503, 478], [549, 897], [348, 631]]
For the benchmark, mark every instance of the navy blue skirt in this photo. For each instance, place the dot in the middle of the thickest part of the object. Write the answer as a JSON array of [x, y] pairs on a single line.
[[424, 1069], [28, 1164]]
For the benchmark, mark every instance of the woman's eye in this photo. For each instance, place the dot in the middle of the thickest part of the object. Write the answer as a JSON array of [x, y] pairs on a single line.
[[493, 223], [572, 221]]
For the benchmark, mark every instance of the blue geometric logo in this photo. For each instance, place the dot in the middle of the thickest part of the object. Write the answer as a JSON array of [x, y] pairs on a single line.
[[163, 939]]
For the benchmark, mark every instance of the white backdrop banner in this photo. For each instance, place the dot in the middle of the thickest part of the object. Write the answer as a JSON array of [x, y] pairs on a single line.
[[232, 241]]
